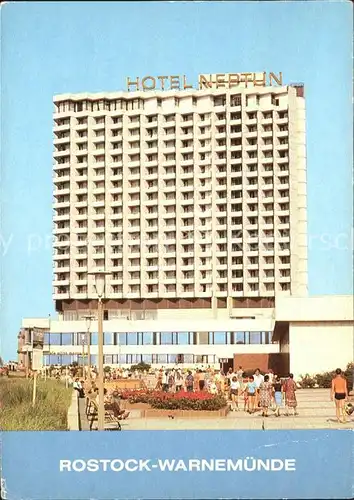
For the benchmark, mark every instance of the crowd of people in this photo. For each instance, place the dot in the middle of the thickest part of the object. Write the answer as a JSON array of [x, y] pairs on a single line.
[[251, 393]]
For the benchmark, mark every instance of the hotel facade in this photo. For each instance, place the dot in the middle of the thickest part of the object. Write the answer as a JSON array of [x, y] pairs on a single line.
[[194, 201]]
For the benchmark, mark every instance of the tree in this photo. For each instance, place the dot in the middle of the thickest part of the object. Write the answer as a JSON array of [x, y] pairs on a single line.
[[140, 367]]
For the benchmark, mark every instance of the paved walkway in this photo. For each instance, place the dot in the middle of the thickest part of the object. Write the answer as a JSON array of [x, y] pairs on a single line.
[[315, 409]]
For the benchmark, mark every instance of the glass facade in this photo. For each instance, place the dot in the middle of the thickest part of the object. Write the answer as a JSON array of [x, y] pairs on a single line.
[[161, 338]]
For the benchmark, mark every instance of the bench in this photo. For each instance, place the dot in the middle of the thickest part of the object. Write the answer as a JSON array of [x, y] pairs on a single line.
[[109, 417]]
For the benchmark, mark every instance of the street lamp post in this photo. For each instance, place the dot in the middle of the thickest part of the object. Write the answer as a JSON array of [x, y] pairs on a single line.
[[83, 342], [88, 320], [100, 278]]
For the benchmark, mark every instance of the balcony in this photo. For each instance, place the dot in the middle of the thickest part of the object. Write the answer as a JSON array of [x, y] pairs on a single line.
[[60, 154], [61, 192], [62, 128], [94, 216], [60, 204], [65, 230], [266, 121], [59, 179], [268, 279], [65, 282], [58, 218], [57, 167], [97, 204], [185, 163], [282, 121], [64, 269], [80, 230], [267, 135], [61, 257], [283, 133], [99, 255], [81, 204]]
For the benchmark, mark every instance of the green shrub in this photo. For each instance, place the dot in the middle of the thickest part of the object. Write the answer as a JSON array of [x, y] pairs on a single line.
[[140, 367], [324, 380], [349, 375], [307, 382], [49, 412]]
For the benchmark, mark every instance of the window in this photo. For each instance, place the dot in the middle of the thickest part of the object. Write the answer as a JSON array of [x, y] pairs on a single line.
[[108, 338], [172, 358], [94, 339], [132, 338], [183, 338], [54, 339], [239, 337], [217, 338], [168, 338], [66, 338], [148, 338], [255, 338]]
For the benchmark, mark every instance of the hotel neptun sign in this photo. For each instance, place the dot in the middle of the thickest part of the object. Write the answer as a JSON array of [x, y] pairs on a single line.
[[211, 81]]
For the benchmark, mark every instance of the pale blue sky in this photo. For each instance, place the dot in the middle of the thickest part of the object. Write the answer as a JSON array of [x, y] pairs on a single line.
[[50, 48]]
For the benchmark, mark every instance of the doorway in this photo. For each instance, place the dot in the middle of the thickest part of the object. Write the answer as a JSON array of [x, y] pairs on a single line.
[[226, 364]]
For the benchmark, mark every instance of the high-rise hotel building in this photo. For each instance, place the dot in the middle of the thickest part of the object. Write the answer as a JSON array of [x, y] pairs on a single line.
[[195, 202], [185, 197]]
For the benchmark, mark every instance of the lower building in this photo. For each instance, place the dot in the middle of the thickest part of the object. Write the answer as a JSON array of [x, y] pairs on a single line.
[[299, 335]]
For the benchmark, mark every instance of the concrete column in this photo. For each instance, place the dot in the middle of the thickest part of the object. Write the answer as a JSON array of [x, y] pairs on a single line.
[[214, 306], [229, 305]]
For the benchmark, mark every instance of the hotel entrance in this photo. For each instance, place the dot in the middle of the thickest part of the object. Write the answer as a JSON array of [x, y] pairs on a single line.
[[226, 364]]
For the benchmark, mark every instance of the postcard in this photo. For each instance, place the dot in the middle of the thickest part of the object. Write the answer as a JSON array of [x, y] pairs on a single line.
[[176, 250]]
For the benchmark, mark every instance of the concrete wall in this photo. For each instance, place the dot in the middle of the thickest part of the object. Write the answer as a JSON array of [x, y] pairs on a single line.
[[315, 348], [279, 363], [73, 413], [321, 308]]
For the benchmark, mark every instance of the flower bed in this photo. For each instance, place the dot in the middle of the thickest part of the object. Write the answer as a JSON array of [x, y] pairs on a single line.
[[200, 401]]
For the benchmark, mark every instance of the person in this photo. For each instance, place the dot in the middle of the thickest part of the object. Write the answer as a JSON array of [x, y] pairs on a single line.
[[245, 395], [289, 389], [165, 381], [265, 395], [239, 373], [179, 381], [234, 390], [278, 395], [213, 388], [229, 376], [78, 387], [201, 381], [251, 388], [258, 379], [113, 404], [339, 392], [189, 382], [271, 375], [222, 384], [171, 381], [159, 381]]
